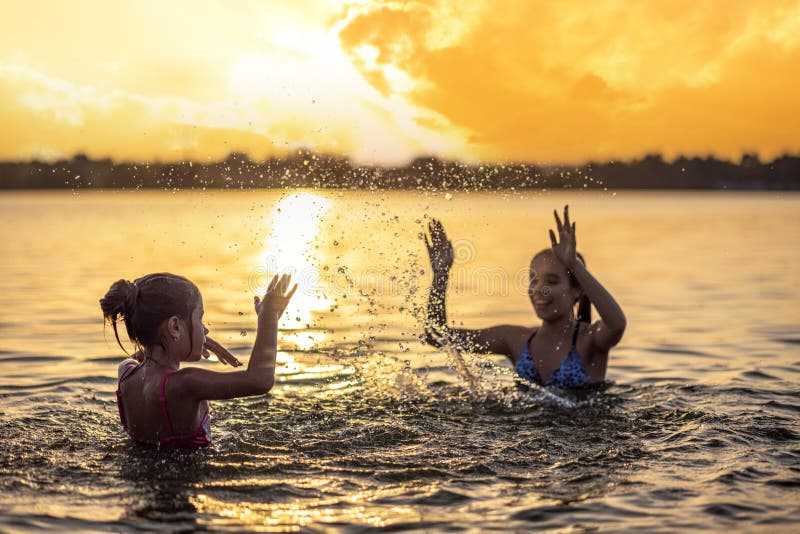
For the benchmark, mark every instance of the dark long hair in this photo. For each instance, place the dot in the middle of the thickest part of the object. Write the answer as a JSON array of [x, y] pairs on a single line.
[[584, 305], [147, 302]]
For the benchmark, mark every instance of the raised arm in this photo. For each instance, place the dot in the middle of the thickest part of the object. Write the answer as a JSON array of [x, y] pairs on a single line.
[[608, 331], [492, 340], [259, 377], [440, 253]]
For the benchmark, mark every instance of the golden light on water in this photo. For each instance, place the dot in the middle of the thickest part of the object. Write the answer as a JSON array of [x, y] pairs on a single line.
[[268, 516], [303, 340], [293, 247], [391, 439]]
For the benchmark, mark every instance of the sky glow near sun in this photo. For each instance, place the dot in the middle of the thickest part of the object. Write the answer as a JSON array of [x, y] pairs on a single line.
[[383, 82]]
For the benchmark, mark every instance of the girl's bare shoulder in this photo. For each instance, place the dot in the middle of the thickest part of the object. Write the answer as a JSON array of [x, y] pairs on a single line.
[[125, 365], [512, 333], [517, 338]]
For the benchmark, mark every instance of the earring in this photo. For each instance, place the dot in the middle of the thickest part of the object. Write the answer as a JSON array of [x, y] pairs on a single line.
[[176, 338]]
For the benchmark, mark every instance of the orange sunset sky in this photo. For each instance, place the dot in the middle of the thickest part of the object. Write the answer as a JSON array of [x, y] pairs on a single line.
[[383, 82]]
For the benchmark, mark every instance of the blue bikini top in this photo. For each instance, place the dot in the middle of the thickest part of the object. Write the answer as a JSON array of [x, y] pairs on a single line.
[[571, 374]]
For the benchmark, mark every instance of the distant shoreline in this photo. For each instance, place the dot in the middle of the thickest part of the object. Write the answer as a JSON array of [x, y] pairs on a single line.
[[320, 171]]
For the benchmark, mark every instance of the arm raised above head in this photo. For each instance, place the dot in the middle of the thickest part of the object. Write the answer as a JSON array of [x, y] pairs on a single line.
[[492, 340], [608, 331], [440, 253]]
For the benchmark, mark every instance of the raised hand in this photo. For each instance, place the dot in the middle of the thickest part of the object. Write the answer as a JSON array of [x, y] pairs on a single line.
[[565, 247], [224, 356], [276, 298], [440, 250]]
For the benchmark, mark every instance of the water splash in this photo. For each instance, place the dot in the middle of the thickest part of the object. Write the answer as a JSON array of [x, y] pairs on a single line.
[[457, 359], [460, 363]]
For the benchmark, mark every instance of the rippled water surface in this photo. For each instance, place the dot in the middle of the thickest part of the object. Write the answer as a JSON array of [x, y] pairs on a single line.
[[697, 429]]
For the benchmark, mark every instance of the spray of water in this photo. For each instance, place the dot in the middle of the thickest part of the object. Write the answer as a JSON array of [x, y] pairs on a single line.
[[457, 358]]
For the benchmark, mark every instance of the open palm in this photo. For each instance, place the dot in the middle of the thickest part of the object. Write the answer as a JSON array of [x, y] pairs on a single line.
[[275, 299], [565, 246], [440, 250]]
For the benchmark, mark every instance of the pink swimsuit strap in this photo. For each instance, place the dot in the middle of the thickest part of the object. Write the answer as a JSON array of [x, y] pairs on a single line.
[[197, 438], [162, 402]]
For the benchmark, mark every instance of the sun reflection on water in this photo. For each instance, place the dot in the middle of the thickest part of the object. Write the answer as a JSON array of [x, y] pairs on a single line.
[[293, 247]]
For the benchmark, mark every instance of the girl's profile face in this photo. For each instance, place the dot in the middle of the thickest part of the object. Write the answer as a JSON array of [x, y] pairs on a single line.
[[198, 332], [549, 289]]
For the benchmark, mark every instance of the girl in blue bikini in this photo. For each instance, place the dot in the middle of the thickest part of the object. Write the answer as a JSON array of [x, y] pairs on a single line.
[[566, 351], [160, 403]]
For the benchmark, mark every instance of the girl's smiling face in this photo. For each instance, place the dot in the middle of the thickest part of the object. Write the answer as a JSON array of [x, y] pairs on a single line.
[[550, 290]]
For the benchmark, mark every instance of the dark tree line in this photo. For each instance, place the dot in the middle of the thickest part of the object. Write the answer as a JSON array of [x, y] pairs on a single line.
[[311, 170]]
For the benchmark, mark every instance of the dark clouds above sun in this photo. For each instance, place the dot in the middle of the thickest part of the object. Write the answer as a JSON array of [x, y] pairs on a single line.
[[386, 81]]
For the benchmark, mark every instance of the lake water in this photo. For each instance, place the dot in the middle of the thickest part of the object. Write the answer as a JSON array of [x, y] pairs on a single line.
[[366, 428]]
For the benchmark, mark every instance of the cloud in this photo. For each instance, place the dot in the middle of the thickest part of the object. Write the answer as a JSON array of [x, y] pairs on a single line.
[[569, 81], [130, 82], [268, 108], [55, 118]]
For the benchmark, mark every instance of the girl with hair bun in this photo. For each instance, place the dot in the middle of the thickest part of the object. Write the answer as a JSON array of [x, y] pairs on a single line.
[[567, 350], [159, 403]]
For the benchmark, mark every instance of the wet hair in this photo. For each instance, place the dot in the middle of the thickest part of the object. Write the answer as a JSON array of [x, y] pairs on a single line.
[[584, 305], [147, 302]]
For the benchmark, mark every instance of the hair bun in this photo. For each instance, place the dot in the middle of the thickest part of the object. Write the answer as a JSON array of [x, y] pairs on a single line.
[[131, 295], [120, 300]]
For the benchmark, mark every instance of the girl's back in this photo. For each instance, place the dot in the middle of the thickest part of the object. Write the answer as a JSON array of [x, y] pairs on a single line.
[[153, 411]]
